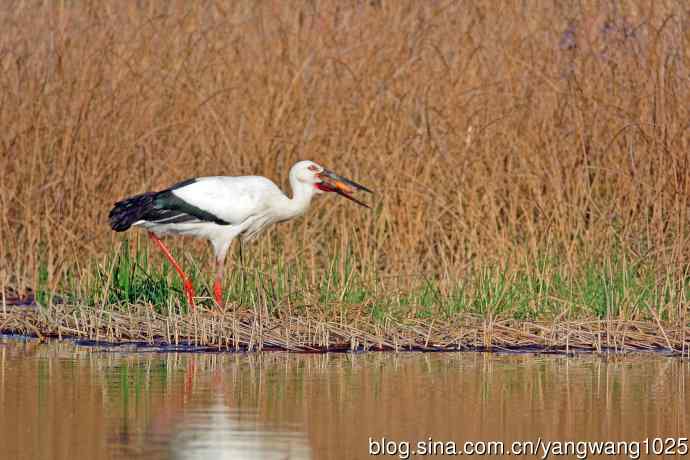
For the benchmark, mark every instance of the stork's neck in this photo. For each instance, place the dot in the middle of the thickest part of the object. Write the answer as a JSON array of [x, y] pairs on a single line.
[[302, 194]]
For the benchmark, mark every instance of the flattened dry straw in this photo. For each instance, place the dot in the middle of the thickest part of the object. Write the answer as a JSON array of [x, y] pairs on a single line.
[[247, 331]]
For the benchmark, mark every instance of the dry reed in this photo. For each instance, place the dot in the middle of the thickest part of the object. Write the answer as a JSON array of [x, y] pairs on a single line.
[[143, 328]]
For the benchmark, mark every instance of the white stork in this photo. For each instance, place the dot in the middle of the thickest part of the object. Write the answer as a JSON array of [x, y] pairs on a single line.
[[221, 208]]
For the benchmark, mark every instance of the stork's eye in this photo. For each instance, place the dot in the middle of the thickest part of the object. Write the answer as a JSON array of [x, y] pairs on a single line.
[[313, 168]]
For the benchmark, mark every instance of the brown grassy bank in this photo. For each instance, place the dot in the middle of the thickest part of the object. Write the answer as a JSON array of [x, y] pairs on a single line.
[[251, 330], [495, 133]]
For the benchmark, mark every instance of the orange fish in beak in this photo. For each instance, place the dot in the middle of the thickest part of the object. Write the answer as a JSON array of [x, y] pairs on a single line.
[[341, 185]]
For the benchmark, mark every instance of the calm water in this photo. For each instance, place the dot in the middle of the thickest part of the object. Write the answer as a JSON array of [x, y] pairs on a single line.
[[59, 401]]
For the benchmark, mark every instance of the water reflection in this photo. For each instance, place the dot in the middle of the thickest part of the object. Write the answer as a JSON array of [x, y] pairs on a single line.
[[220, 432], [61, 401]]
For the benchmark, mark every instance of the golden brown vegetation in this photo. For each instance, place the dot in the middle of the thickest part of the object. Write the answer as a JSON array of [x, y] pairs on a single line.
[[495, 133], [310, 332]]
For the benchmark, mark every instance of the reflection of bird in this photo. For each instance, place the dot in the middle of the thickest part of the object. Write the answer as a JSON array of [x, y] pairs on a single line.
[[221, 432], [222, 208]]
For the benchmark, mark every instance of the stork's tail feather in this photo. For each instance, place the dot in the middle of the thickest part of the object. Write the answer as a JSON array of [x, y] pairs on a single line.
[[130, 210]]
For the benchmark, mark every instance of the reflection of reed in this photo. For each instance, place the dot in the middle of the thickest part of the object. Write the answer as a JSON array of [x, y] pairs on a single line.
[[62, 401]]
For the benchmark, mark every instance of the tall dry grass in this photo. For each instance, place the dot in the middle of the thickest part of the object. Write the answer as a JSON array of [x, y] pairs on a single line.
[[494, 132]]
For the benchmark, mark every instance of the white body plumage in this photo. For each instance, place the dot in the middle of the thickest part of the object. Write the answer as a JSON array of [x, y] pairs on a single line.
[[222, 208], [247, 203]]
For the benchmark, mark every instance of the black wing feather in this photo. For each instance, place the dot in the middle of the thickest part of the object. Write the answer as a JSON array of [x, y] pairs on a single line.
[[159, 207]]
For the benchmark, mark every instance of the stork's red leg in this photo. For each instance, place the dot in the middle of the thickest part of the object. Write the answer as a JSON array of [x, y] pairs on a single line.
[[218, 292], [217, 284], [188, 288]]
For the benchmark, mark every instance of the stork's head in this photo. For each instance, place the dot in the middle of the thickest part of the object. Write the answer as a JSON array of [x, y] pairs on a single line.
[[324, 180]]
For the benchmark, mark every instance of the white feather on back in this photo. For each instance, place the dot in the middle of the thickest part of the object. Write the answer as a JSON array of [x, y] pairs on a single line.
[[232, 199]]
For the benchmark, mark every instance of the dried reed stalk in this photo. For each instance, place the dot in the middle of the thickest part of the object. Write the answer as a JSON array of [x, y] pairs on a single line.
[[244, 330]]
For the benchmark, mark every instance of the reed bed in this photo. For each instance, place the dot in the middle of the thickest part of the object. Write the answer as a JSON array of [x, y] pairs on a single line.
[[143, 327], [501, 137]]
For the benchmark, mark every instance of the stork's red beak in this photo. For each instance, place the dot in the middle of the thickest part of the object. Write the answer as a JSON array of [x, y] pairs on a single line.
[[341, 185]]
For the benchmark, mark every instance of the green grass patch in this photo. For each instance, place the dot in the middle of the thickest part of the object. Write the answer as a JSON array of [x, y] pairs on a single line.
[[615, 287]]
